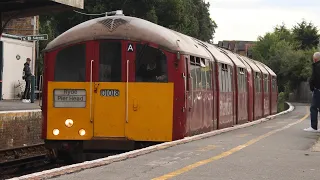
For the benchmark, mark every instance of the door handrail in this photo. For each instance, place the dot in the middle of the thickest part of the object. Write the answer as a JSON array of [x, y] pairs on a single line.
[[91, 73], [127, 93]]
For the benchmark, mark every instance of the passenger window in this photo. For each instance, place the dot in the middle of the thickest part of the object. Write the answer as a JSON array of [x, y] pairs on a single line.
[[226, 78], [198, 66], [204, 75], [71, 64], [222, 78], [110, 62], [208, 75], [199, 82], [151, 65], [194, 76]]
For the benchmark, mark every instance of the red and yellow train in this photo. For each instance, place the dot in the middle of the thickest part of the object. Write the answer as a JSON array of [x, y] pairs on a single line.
[[118, 82]]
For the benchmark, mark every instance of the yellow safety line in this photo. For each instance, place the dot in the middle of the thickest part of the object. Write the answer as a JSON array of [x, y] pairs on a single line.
[[226, 153]]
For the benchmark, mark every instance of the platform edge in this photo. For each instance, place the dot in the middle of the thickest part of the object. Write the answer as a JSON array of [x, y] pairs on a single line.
[[111, 159]]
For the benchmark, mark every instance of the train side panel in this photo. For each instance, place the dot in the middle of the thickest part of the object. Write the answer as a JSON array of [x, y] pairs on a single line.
[[265, 86], [249, 88], [240, 90], [201, 96], [226, 102]]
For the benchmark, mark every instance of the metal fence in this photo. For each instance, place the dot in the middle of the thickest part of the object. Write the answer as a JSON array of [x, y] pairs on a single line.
[[302, 94]]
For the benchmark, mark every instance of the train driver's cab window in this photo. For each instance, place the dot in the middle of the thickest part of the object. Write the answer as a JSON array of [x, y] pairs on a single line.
[[110, 62], [151, 65], [71, 64]]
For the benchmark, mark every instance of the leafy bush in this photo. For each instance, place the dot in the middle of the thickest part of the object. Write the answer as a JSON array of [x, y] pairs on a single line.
[[281, 101]]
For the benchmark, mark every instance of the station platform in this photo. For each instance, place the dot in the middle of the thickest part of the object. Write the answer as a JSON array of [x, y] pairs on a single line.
[[17, 105], [274, 148], [20, 124]]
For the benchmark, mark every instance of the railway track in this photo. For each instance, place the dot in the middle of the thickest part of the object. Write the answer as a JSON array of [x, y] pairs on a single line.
[[31, 159], [20, 159]]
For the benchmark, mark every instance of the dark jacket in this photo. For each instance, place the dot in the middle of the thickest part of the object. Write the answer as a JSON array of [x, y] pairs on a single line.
[[314, 81], [27, 72]]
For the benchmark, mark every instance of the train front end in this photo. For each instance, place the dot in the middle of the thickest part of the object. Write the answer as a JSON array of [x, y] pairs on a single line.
[[107, 93]]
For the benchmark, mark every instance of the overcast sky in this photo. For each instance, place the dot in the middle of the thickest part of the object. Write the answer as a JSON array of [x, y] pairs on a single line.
[[247, 19]]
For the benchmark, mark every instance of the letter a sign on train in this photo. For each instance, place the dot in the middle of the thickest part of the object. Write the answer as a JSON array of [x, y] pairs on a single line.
[[130, 48]]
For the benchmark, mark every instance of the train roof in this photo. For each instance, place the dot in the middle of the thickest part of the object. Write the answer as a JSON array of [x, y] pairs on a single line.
[[261, 67], [218, 54], [244, 62], [268, 69], [234, 58], [253, 66], [128, 28]]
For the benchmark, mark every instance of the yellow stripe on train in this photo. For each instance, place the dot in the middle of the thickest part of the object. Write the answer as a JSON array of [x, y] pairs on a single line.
[[149, 116]]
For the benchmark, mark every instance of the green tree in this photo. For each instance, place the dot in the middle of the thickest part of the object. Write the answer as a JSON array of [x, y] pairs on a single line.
[[189, 17], [289, 55], [306, 34]]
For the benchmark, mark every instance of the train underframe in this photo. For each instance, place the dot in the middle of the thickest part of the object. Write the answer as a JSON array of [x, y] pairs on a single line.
[[77, 151]]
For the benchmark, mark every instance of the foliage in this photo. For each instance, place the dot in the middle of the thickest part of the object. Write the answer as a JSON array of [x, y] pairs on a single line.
[[189, 17], [281, 102], [288, 52]]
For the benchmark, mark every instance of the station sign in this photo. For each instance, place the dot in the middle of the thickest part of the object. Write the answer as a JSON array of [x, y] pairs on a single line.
[[39, 37]]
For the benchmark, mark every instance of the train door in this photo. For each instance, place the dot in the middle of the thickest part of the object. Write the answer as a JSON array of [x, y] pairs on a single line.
[[109, 90], [150, 96], [188, 95]]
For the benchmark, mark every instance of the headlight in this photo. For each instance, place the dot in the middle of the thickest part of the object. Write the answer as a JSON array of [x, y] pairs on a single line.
[[56, 132], [69, 123], [82, 132]]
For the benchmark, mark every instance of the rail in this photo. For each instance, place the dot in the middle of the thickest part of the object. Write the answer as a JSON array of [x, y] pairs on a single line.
[[22, 155]]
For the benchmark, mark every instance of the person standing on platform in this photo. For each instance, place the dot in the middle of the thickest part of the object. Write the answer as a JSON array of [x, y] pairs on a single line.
[[27, 77], [314, 83]]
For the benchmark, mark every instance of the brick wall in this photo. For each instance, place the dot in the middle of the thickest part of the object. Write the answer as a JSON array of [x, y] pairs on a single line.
[[20, 129], [21, 26]]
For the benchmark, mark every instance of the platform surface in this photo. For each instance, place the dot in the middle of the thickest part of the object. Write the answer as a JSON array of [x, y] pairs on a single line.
[[278, 149], [15, 105]]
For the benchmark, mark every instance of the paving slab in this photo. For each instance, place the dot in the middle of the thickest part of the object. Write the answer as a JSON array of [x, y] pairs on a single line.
[[276, 149]]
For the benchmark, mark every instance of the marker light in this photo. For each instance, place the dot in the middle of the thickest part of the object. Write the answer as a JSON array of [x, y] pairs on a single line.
[[69, 123], [82, 132], [56, 132]]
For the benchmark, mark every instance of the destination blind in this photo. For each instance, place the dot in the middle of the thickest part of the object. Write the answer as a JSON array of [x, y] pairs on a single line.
[[70, 98]]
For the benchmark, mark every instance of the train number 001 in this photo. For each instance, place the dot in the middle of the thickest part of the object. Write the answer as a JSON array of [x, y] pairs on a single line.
[[110, 92]]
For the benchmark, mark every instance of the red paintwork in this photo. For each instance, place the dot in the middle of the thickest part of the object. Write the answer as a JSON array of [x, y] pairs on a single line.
[[179, 115], [242, 107], [225, 110], [215, 96], [235, 94], [250, 87], [258, 105], [266, 101]]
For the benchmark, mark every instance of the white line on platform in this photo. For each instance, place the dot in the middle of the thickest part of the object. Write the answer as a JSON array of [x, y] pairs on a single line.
[[120, 157], [20, 111]]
